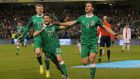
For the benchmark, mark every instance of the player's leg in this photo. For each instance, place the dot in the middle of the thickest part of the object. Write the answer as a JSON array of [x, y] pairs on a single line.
[[61, 63], [108, 44], [124, 44], [92, 56], [102, 44], [92, 65], [128, 45], [17, 48], [55, 61], [37, 45], [108, 53], [84, 54], [47, 64], [25, 42]]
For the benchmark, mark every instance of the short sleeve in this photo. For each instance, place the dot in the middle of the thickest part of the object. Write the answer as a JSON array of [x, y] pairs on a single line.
[[39, 28], [78, 20], [100, 23], [31, 20], [57, 28]]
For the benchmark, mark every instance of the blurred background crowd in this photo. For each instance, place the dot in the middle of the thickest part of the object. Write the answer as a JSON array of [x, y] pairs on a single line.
[[118, 17]]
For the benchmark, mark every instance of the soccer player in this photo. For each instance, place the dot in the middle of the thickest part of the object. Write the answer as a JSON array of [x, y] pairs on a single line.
[[51, 46], [105, 39], [89, 39], [20, 30], [126, 37], [36, 21]]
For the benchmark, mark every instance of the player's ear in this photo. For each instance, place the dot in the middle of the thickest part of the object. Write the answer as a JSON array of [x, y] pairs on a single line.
[[93, 9], [51, 20]]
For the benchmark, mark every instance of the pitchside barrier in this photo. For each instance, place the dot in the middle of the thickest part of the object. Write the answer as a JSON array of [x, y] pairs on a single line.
[[75, 41]]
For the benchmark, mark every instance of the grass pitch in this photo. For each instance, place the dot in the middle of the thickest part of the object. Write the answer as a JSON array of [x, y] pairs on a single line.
[[25, 65]]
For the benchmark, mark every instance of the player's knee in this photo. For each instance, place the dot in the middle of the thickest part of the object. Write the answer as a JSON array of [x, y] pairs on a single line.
[[92, 57], [59, 58], [85, 61], [37, 51]]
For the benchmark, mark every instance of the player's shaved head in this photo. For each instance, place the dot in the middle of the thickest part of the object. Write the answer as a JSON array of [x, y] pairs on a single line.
[[104, 17]]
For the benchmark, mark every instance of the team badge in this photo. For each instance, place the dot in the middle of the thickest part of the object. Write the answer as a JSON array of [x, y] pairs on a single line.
[[92, 23]]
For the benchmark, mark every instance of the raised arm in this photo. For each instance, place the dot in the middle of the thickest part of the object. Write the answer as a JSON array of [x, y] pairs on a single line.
[[27, 29]]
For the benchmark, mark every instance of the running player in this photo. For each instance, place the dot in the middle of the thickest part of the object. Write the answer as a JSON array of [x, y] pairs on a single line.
[[36, 21], [20, 29], [51, 46], [89, 39]]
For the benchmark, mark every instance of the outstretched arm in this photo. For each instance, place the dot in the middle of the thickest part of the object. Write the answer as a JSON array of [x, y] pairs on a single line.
[[112, 32], [109, 30], [65, 25], [70, 23]]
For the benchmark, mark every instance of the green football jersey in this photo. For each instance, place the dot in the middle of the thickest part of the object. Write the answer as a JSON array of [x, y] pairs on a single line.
[[89, 28], [50, 37], [35, 21], [20, 30]]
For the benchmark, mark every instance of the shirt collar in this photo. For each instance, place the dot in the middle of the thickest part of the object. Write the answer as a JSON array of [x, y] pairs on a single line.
[[39, 16], [89, 16]]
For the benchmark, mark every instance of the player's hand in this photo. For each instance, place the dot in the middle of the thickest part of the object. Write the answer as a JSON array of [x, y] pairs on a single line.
[[44, 27], [20, 37], [117, 36]]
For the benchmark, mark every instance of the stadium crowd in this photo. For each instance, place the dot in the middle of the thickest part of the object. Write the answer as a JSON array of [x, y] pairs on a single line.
[[118, 17]]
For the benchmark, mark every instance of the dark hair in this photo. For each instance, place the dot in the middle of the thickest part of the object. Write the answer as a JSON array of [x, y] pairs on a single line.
[[89, 2], [47, 14], [38, 5]]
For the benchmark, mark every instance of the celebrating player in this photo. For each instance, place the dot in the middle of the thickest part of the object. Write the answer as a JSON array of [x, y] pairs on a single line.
[[20, 29], [51, 46], [36, 21], [89, 38]]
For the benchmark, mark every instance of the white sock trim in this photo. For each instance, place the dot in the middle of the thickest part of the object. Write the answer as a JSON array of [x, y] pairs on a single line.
[[93, 65], [62, 62], [17, 47]]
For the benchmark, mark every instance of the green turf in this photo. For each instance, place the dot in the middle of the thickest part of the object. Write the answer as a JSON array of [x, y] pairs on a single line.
[[25, 65]]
